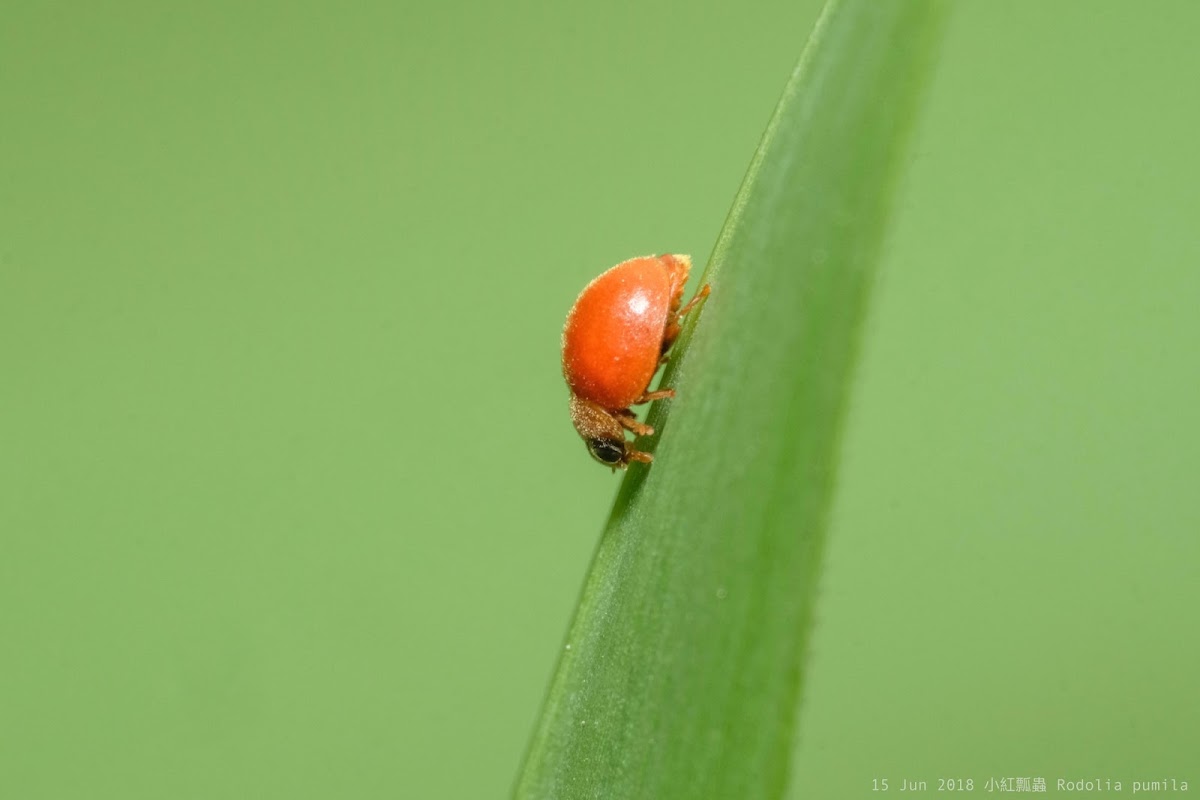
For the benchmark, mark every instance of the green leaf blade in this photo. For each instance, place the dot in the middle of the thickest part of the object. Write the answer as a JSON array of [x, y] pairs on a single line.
[[682, 668]]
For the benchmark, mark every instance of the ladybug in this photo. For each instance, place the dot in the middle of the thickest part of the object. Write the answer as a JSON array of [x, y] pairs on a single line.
[[615, 338]]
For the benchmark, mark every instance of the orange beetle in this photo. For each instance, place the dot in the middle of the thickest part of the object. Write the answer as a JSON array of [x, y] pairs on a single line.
[[615, 338]]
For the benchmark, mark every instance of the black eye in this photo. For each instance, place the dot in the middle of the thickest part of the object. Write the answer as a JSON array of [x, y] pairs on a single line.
[[607, 451]]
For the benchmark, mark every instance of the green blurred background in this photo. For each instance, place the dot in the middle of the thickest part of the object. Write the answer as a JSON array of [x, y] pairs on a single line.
[[290, 504]]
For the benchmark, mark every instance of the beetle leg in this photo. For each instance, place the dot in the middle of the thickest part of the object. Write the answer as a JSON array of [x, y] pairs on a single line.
[[700, 294], [638, 455], [674, 327], [629, 421], [661, 394]]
